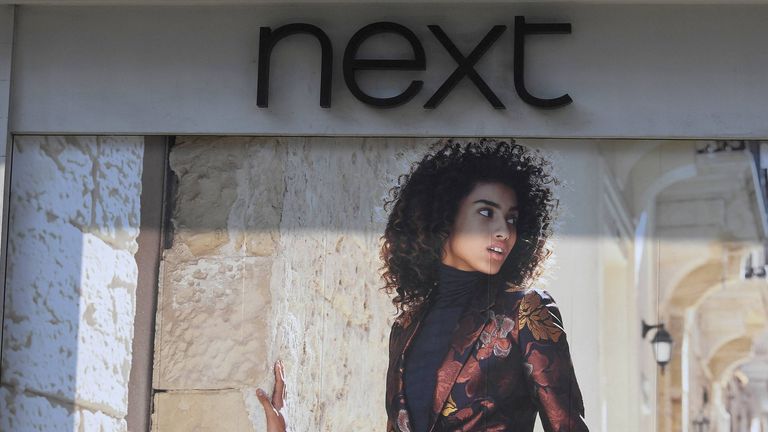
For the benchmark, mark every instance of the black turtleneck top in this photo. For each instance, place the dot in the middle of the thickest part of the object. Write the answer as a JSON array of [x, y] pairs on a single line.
[[452, 294]]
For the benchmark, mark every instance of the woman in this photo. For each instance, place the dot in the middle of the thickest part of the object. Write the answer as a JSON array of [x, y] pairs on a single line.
[[473, 348]]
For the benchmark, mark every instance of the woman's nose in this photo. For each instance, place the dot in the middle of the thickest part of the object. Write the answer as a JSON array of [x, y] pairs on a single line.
[[502, 232]]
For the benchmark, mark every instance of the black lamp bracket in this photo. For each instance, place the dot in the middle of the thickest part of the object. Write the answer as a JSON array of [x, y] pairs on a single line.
[[648, 327]]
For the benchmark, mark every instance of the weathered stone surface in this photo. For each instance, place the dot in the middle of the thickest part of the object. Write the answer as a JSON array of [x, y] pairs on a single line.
[[351, 391], [98, 421], [20, 412], [70, 293], [212, 321], [230, 204], [117, 190], [320, 308], [262, 194], [331, 321], [210, 411], [24, 411], [207, 179], [93, 183], [73, 319]]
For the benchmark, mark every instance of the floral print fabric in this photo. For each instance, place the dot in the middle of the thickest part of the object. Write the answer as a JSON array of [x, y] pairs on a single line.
[[508, 360]]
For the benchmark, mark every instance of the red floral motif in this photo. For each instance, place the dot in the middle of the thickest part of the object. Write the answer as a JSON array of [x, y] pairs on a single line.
[[545, 371], [493, 339], [465, 413], [487, 395], [445, 376], [471, 375], [462, 338]]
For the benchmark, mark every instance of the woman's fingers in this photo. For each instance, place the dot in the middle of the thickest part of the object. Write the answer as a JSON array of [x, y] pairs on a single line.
[[265, 402], [278, 392], [272, 407], [275, 420]]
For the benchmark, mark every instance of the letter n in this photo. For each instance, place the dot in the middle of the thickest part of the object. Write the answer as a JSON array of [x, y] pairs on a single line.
[[268, 38]]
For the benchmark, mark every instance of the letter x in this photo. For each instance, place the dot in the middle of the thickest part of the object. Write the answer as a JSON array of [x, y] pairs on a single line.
[[465, 66]]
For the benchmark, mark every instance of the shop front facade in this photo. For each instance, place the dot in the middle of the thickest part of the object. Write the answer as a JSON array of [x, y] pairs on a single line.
[[193, 191]]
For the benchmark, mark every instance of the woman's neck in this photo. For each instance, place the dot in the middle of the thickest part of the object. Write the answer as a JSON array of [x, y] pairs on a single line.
[[455, 286]]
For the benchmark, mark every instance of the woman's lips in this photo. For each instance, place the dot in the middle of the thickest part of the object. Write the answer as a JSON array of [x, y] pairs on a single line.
[[495, 256]]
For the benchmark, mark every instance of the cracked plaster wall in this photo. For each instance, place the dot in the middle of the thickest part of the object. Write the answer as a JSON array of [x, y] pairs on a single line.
[[71, 283]]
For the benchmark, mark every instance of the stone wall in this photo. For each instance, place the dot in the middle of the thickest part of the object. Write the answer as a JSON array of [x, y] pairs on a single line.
[[275, 255], [70, 292]]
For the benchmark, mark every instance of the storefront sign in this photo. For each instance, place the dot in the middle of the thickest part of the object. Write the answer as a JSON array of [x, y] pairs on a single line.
[[465, 64]]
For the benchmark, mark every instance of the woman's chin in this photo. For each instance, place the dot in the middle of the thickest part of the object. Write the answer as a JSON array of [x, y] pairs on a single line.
[[490, 270]]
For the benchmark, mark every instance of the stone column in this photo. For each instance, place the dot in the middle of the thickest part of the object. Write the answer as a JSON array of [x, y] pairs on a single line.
[[70, 293]]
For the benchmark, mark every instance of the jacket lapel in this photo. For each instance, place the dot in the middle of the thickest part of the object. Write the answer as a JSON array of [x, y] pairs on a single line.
[[465, 335], [397, 355]]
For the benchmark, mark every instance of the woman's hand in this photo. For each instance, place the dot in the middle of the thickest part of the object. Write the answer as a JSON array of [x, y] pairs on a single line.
[[275, 419]]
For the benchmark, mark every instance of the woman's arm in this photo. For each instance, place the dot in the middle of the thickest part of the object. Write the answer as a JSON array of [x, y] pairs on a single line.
[[549, 369]]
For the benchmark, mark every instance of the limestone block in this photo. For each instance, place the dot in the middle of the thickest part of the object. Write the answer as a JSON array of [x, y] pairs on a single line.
[[117, 190], [351, 392], [94, 183], [212, 323], [20, 412], [210, 411], [71, 279], [75, 319], [105, 335], [98, 421], [230, 205], [262, 193], [331, 320], [314, 206], [52, 175]]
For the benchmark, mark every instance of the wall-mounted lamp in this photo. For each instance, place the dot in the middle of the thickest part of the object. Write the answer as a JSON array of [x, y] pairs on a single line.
[[661, 342]]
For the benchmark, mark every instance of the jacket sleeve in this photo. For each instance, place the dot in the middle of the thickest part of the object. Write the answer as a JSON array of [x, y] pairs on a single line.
[[390, 426], [549, 370]]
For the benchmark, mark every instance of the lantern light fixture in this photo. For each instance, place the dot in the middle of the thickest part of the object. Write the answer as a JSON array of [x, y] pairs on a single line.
[[661, 342]]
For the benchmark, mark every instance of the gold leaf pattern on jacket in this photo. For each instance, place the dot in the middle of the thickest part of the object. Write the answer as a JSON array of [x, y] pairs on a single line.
[[449, 407], [480, 373], [538, 319]]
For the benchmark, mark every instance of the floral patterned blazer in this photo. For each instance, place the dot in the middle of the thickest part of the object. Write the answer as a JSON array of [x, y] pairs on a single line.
[[508, 359]]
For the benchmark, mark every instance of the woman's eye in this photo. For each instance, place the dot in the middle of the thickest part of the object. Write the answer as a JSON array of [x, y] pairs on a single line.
[[486, 212], [512, 220]]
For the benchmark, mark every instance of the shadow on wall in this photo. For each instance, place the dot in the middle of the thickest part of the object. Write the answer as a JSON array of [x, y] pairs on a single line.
[[238, 185], [70, 288]]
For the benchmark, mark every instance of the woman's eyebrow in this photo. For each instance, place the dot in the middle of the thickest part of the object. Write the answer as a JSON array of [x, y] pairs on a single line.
[[493, 204]]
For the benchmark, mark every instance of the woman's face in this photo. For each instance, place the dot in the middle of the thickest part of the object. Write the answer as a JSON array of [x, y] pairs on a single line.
[[484, 230]]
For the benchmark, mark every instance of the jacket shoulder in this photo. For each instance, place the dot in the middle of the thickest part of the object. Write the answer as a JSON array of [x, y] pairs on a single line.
[[512, 298]]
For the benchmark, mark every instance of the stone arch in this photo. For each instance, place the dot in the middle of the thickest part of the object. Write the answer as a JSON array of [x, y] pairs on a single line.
[[693, 285], [679, 163], [729, 355]]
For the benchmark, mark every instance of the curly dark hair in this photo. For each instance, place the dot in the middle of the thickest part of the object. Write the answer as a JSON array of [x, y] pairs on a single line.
[[426, 201]]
